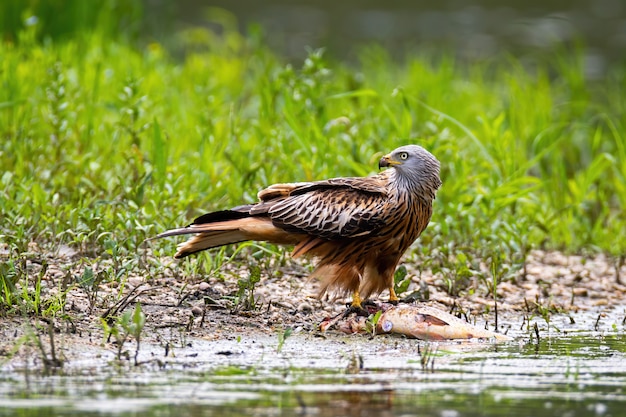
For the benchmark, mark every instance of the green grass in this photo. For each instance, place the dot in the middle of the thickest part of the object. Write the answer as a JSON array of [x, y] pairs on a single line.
[[105, 144]]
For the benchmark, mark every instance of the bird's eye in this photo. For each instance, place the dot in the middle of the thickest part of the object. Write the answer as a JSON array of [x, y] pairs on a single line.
[[404, 156]]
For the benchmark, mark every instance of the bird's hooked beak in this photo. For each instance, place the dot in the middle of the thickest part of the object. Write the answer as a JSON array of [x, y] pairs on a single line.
[[388, 161]]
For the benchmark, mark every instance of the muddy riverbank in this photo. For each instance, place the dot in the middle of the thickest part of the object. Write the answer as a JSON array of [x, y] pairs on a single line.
[[179, 308]]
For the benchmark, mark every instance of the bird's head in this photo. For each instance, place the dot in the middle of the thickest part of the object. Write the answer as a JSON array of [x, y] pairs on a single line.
[[415, 166]]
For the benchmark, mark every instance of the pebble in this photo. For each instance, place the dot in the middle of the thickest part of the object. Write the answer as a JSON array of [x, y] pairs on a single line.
[[203, 286], [33, 267], [197, 311], [67, 252], [55, 273], [80, 307], [135, 282], [305, 307], [169, 319]]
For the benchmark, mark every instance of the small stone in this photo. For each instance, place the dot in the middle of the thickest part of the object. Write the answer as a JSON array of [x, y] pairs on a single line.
[[135, 282], [305, 307], [197, 311], [169, 319], [203, 286], [80, 307], [54, 272], [65, 251]]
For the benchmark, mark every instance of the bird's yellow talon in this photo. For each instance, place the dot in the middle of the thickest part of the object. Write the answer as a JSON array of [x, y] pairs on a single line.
[[393, 297], [356, 300]]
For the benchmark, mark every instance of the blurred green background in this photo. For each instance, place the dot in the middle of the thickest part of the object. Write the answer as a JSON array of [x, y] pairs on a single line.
[[473, 29], [121, 119]]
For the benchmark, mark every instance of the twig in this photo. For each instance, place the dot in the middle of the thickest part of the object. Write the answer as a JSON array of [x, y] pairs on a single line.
[[619, 262], [595, 327], [124, 302], [53, 352], [495, 306]]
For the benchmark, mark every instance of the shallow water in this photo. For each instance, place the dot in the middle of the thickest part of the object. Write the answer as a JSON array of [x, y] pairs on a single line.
[[569, 372]]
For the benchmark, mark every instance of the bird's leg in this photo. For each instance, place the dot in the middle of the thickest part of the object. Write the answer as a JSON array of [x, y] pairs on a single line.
[[356, 300], [356, 306], [393, 297]]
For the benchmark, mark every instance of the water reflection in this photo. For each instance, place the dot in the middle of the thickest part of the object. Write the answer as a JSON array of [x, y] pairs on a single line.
[[575, 375], [567, 372]]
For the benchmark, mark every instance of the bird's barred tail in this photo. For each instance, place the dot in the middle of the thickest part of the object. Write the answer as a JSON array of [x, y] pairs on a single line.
[[225, 227], [208, 240], [211, 230]]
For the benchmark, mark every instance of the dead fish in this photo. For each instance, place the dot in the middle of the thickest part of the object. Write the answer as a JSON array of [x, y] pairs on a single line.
[[420, 322]]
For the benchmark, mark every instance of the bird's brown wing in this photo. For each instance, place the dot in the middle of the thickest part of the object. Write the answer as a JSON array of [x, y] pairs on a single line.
[[303, 214], [331, 209]]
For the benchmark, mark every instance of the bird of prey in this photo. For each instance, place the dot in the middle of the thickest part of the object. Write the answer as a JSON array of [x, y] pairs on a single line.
[[357, 227]]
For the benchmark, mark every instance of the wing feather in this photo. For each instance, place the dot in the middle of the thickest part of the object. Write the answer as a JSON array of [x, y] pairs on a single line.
[[335, 208]]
